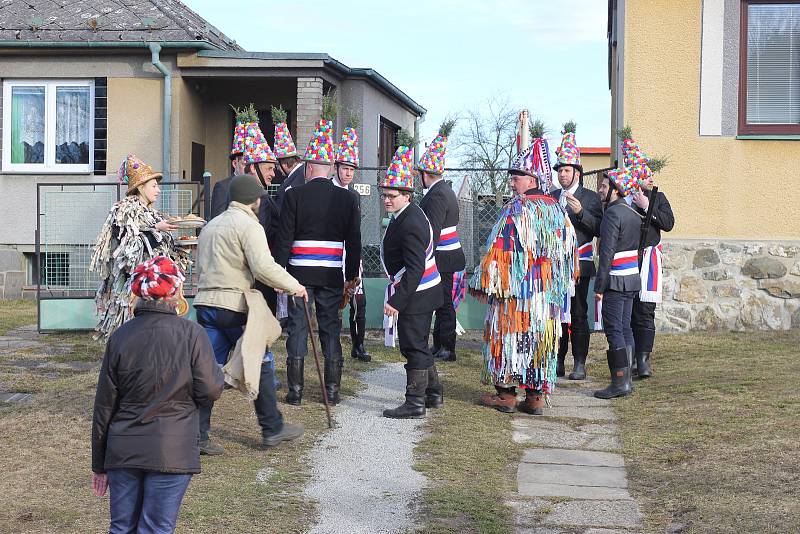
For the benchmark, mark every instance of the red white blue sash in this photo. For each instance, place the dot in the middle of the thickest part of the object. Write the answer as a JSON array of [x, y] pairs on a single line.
[[625, 263], [586, 252], [448, 239], [652, 274], [317, 254]]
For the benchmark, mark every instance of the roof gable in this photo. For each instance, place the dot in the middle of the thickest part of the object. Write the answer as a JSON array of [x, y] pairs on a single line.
[[106, 21]]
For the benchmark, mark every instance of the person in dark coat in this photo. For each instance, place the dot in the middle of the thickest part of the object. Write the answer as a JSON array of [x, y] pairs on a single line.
[[220, 195], [407, 254], [344, 171], [441, 207], [157, 370], [585, 213], [319, 233], [643, 316], [617, 281]]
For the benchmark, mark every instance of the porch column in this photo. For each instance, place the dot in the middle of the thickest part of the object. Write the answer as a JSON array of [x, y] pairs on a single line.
[[309, 109]]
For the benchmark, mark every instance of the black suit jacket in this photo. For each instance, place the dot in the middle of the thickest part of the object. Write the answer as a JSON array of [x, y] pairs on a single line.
[[619, 232], [662, 218], [404, 245], [220, 197], [441, 207], [266, 212], [296, 178], [586, 223], [320, 211]]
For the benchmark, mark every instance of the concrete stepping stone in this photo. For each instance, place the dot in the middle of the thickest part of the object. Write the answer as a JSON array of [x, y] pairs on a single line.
[[572, 475], [573, 457], [16, 398], [622, 514], [541, 432], [591, 413]]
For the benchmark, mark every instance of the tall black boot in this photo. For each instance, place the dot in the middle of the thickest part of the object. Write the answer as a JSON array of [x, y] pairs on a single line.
[[294, 379], [620, 375], [631, 364], [434, 394], [414, 406], [580, 349], [333, 380], [563, 346], [643, 363]]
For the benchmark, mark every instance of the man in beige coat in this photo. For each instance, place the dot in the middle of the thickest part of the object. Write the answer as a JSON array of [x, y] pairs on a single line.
[[233, 254]]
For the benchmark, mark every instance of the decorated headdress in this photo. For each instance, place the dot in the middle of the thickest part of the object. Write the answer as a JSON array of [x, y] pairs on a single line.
[[400, 174], [156, 278], [244, 117], [284, 144], [347, 151], [256, 147], [568, 153], [135, 172], [524, 162], [321, 148], [625, 180], [432, 161]]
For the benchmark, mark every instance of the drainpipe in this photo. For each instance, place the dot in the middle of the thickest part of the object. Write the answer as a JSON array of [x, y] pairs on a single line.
[[417, 122], [155, 49]]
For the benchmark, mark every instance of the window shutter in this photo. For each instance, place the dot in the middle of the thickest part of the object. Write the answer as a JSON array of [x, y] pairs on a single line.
[[100, 125]]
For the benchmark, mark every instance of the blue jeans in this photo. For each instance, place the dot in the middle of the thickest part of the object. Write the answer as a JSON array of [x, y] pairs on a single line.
[[224, 328], [145, 502], [617, 308]]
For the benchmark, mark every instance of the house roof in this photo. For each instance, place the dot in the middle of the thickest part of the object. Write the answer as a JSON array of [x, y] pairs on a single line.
[[604, 150], [106, 21]]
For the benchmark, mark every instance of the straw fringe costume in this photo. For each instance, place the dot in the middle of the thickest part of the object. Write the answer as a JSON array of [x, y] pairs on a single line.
[[526, 277]]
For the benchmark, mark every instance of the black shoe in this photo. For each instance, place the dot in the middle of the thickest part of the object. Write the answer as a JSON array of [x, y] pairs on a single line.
[[287, 433], [579, 371], [560, 371], [434, 393], [294, 381], [414, 406], [365, 356], [333, 380], [620, 376], [445, 355], [643, 363], [359, 353]]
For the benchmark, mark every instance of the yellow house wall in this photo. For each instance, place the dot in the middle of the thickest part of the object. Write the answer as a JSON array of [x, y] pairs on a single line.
[[719, 187], [134, 120], [593, 162], [191, 125]]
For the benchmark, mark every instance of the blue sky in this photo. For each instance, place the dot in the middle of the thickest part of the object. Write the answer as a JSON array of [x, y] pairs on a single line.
[[449, 55]]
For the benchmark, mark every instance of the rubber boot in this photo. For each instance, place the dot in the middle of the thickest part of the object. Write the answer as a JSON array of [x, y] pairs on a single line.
[[533, 403], [631, 365], [414, 406], [643, 363], [579, 371], [580, 349], [505, 400], [620, 375], [445, 355], [333, 380], [294, 381], [434, 394], [560, 371], [363, 355], [563, 347]]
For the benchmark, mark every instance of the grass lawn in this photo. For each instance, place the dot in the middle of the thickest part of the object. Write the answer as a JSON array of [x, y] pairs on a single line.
[[712, 441]]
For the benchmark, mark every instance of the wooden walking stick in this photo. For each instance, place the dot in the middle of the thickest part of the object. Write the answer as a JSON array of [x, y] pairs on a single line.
[[316, 360]]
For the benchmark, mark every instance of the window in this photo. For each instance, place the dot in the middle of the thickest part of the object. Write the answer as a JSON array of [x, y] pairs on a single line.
[[48, 126], [387, 142], [769, 67], [54, 270]]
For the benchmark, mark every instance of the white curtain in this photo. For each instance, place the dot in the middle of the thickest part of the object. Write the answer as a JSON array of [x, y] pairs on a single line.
[[72, 115]]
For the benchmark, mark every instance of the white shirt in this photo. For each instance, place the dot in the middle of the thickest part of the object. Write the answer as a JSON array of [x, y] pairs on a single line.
[[563, 198], [337, 183]]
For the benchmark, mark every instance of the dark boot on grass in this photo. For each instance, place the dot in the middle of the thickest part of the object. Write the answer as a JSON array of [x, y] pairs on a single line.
[[643, 363], [209, 448], [620, 375], [294, 381], [434, 394], [333, 380], [414, 406]]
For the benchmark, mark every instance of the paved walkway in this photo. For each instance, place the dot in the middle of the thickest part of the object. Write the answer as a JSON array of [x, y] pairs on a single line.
[[572, 477]]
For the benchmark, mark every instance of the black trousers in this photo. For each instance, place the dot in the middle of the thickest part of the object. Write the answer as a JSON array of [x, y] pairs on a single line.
[[643, 323], [444, 326], [358, 318], [326, 302], [580, 324], [617, 307], [412, 332]]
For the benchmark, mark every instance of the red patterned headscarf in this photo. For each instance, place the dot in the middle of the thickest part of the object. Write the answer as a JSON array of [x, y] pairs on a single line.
[[157, 278]]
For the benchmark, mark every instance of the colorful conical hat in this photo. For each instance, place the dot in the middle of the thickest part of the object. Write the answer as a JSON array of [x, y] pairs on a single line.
[[320, 147], [625, 180], [632, 154], [239, 133], [256, 148], [432, 161], [136, 172], [284, 144], [400, 174], [347, 151], [568, 153]]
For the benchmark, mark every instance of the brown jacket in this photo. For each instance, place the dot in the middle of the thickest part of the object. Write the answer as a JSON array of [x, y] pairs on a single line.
[[157, 369]]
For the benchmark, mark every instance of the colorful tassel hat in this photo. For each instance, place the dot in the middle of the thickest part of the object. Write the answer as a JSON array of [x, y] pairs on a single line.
[[284, 144], [347, 151], [568, 153], [321, 148], [625, 180], [135, 172], [256, 147], [400, 174], [432, 160], [524, 163], [636, 160], [244, 118]]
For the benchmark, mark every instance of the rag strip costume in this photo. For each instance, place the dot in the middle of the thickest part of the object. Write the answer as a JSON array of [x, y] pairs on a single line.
[[414, 290], [128, 238], [587, 226], [441, 208], [644, 305], [526, 276]]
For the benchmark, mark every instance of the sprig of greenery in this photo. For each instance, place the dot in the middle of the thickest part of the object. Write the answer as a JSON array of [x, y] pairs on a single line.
[[330, 107], [537, 129], [278, 115], [569, 127]]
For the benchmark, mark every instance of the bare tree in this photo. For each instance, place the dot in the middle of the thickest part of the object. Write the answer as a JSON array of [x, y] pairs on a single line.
[[486, 139]]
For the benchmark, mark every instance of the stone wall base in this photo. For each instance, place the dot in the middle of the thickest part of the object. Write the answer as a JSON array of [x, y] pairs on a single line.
[[12, 274], [730, 285]]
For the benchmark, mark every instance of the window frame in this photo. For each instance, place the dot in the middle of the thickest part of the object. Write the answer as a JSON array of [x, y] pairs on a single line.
[[49, 166]]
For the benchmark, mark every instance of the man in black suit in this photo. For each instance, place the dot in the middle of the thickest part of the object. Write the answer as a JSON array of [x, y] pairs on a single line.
[[220, 195], [407, 253], [319, 233], [617, 282], [585, 213]]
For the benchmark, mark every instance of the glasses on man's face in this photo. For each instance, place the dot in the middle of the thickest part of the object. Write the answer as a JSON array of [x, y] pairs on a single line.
[[387, 196]]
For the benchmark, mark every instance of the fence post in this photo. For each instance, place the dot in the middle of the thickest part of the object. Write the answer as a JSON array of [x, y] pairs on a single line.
[[206, 194]]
